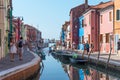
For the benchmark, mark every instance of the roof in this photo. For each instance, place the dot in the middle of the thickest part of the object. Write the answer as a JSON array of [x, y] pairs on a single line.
[[73, 9], [78, 10], [65, 25], [103, 5]]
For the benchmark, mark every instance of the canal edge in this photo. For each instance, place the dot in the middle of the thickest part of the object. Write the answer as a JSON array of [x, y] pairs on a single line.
[[23, 71]]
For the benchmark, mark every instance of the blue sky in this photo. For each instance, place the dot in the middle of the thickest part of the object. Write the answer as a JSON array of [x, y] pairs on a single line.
[[49, 15]]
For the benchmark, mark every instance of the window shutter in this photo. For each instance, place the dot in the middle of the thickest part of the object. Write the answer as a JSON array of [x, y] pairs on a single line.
[[118, 15]]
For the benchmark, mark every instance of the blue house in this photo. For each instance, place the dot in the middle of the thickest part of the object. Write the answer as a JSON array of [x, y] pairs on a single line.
[[63, 36], [81, 33]]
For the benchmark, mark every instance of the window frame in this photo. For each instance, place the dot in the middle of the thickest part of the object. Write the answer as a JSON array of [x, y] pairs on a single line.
[[110, 16], [101, 38], [101, 19], [107, 37], [117, 12]]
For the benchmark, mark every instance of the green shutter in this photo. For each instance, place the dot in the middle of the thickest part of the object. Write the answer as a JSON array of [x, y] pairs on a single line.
[[118, 14]]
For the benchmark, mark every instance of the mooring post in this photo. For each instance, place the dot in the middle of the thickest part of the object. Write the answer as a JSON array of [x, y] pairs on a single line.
[[98, 54], [110, 53]]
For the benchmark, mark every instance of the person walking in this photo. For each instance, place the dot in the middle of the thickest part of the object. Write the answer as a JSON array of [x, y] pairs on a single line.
[[20, 48], [84, 50], [92, 46], [13, 49], [87, 47], [118, 47]]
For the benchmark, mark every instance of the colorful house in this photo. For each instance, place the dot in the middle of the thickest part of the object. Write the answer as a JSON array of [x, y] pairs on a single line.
[[63, 36], [116, 23], [87, 26], [106, 26], [67, 40], [4, 27], [92, 27], [75, 13], [81, 33]]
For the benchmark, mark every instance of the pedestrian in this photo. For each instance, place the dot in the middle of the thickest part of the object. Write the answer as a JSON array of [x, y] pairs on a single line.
[[13, 49], [118, 47], [87, 47], [92, 46], [20, 48]]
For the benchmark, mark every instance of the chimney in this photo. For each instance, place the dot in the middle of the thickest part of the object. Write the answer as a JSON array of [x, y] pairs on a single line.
[[86, 4]]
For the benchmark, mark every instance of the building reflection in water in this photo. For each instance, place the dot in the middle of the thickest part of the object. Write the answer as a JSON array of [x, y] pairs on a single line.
[[86, 74]]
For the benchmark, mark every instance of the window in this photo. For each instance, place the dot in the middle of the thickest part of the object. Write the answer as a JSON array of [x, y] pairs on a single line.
[[118, 14], [110, 16], [107, 38], [101, 38], [82, 23], [0, 37], [101, 19], [82, 38], [89, 38]]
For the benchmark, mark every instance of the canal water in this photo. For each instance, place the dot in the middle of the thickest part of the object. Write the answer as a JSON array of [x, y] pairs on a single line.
[[57, 68]]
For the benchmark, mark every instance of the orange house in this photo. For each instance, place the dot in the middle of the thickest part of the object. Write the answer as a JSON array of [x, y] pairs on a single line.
[[116, 23]]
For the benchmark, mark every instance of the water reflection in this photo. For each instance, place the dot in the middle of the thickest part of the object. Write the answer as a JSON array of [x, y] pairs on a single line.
[[87, 73], [60, 68]]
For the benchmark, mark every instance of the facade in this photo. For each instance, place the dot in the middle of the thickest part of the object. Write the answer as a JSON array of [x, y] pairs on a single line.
[[64, 34], [18, 28], [67, 34], [68, 37], [4, 27], [87, 27], [81, 33], [33, 34], [75, 13], [91, 27], [116, 23], [106, 28]]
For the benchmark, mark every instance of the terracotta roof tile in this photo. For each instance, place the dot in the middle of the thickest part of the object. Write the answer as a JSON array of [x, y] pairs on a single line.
[[103, 5]]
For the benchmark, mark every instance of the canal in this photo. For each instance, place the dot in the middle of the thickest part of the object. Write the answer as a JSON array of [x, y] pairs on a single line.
[[57, 68]]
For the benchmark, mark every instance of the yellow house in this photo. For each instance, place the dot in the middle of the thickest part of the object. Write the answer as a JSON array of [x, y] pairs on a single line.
[[116, 22], [4, 26]]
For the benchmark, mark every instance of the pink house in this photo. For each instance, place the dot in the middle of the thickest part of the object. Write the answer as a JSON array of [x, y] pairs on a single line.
[[106, 27], [87, 26], [75, 13], [98, 26], [91, 17]]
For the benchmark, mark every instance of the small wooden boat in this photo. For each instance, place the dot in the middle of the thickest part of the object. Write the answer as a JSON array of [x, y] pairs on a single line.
[[78, 60]]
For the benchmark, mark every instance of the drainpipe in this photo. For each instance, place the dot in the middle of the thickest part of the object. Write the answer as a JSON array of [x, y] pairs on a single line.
[[98, 16]]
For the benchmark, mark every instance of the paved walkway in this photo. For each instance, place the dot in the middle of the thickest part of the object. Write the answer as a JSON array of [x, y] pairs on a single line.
[[114, 59], [6, 64]]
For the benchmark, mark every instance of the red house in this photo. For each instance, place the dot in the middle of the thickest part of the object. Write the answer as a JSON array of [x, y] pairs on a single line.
[[16, 28], [75, 13]]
